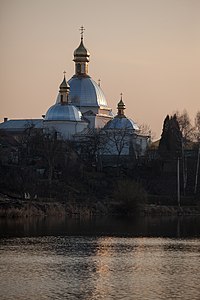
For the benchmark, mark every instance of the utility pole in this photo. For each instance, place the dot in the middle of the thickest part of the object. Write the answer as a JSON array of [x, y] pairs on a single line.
[[178, 182], [184, 168], [197, 172]]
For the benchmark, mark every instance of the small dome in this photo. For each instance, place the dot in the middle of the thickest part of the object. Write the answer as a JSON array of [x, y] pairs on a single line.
[[60, 112], [81, 51], [121, 123], [64, 85], [86, 92], [121, 105]]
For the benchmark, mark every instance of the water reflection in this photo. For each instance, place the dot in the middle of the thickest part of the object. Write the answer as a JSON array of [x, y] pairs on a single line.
[[100, 258], [102, 226], [75, 267]]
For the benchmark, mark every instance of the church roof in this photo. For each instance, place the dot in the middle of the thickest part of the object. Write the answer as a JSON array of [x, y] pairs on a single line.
[[121, 123], [60, 112], [21, 124], [84, 91]]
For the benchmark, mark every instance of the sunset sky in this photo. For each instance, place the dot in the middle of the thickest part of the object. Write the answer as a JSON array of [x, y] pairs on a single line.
[[147, 49]]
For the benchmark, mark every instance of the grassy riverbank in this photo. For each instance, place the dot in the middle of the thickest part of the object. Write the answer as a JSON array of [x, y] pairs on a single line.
[[17, 208]]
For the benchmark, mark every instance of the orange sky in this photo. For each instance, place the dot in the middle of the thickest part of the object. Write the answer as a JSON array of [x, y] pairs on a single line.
[[147, 49]]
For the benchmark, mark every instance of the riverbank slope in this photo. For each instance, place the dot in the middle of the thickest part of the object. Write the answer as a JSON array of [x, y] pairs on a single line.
[[17, 208]]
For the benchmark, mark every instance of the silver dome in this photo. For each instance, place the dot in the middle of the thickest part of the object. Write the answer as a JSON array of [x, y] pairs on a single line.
[[121, 123], [60, 112], [86, 92]]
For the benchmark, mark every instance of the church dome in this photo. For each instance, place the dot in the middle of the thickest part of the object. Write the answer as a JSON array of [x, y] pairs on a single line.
[[63, 112], [86, 92], [64, 86], [81, 52], [121, 123]]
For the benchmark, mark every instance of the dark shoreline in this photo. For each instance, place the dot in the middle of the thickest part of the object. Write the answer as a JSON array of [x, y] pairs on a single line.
[[17, 208]]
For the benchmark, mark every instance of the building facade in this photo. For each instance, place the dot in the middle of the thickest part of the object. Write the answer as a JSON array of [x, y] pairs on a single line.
[[81, 107]]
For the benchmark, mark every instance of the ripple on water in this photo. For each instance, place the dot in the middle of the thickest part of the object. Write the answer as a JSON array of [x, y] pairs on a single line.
[[99, 268]]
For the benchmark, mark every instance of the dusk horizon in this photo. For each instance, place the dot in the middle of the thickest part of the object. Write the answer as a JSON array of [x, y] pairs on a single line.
[[147, 50], [100, 149]]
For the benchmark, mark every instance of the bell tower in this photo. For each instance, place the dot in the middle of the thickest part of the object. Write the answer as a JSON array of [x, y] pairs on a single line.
[[121, 108], [64, 91], [81, 57]]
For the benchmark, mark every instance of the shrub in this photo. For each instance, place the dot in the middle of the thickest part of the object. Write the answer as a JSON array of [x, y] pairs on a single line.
[[129, 195]]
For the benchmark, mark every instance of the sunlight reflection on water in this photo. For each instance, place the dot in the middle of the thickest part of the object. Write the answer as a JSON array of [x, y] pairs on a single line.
[[76, 267]]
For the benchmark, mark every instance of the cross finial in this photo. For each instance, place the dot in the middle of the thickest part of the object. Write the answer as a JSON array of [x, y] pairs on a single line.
[[82, 29], [121, 95], [64, 73]]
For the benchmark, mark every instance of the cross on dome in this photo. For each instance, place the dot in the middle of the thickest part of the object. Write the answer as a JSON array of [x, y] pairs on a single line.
[[82, 29], [81, 57]]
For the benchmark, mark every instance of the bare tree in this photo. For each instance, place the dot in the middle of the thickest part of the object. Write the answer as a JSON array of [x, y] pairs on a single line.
[[197, 133], [197, 126], [197, 172], [188, 136], [48, 147], [52, 148], [145, 129], [89, 147], [25, 143], [185, 125], [117, 143]]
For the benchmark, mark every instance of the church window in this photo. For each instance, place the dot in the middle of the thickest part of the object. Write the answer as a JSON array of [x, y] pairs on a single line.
[[78, 68]]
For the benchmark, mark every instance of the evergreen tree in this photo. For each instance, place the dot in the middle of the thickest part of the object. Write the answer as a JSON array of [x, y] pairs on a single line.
[[170, 145]]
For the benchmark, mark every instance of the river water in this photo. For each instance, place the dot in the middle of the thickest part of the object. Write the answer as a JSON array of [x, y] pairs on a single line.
[[101, 258]]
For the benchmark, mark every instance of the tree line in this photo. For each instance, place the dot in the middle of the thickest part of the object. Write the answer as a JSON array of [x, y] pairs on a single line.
[[48, 166]]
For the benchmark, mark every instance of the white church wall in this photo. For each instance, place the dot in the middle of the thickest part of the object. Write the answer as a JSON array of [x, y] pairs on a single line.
[[66, 129], [117, 144]]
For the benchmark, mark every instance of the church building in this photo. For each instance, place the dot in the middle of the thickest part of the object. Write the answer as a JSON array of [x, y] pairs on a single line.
[[80, 106]]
